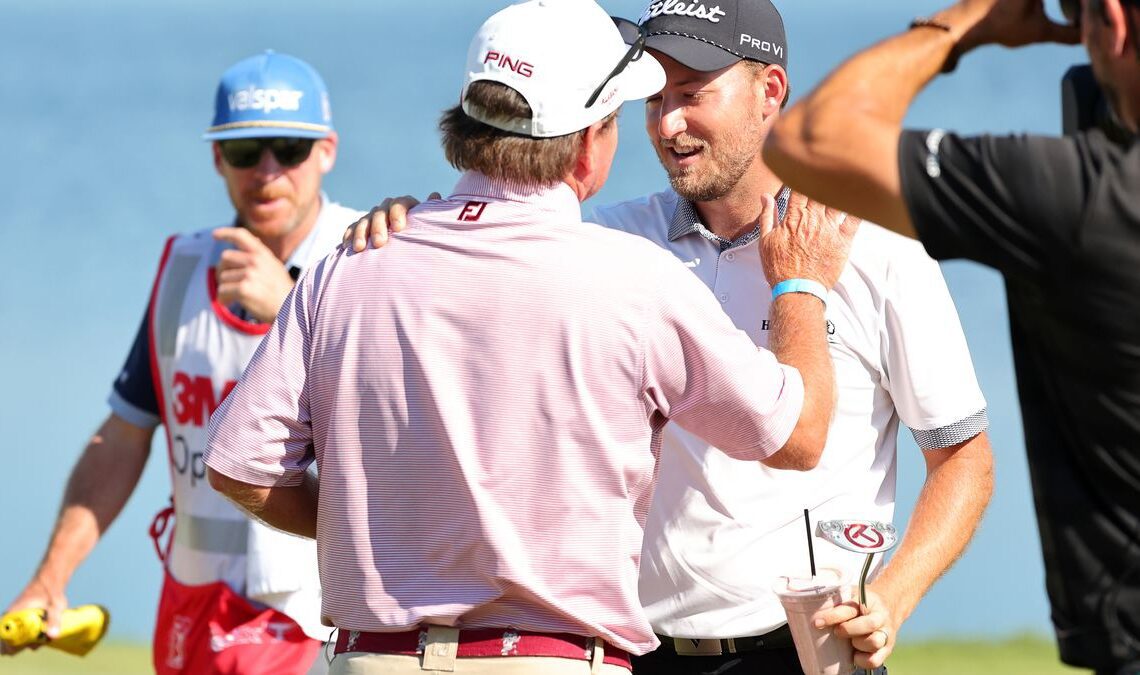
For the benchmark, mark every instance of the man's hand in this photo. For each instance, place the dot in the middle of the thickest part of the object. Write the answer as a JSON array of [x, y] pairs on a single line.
[[872, 629], [1011, 23], [390, 216], [812, 242], [38, 594], [251, 275]]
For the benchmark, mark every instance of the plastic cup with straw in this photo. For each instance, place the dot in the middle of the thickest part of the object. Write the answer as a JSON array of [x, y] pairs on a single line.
[[820, 650]]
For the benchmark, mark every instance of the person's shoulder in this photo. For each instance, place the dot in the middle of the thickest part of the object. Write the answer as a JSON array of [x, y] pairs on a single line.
[[622, 252], [645, 216], [880, 258], [332, 221], [338, 212], [196, 240], [875, 243], [1102, 152], [335, 218]]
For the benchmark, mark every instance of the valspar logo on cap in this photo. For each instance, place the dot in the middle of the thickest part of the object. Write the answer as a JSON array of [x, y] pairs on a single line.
[[266, 100], [697, 10], [270, 94]]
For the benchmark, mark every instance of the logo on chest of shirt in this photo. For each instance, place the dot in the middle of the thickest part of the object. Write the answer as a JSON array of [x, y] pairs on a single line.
[[472, 211], [765, 324]]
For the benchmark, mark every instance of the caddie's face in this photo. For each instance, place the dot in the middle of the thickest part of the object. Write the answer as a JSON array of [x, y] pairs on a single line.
[[707, 127], [272, 199]]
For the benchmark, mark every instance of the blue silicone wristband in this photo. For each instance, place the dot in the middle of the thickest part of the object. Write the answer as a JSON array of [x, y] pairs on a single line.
[[800, 286]]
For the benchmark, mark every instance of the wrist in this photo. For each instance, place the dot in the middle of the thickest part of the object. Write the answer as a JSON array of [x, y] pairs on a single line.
[[800, 286], [895, 598], [963, 22], [48, 585], [956, 26]]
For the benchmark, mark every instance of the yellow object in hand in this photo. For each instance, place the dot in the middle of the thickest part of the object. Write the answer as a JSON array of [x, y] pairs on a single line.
[[80, 628]]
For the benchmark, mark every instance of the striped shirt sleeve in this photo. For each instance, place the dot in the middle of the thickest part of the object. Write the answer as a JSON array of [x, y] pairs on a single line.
[[710, 378], [262, 433]]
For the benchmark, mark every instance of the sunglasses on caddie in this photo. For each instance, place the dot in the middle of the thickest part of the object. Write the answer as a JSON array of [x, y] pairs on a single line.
[[633, 35], [245, 153]]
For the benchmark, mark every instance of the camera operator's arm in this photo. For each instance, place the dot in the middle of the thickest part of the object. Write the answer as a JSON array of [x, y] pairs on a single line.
[[840, 144]]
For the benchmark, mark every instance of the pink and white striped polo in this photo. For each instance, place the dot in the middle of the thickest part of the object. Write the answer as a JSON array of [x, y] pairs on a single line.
[[482, 397]]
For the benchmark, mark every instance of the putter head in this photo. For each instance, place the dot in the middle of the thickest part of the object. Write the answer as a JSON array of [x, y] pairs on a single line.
[[859, 536]]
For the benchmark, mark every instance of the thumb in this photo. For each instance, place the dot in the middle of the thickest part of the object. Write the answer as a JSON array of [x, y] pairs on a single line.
[[767, 214], [52, 616]]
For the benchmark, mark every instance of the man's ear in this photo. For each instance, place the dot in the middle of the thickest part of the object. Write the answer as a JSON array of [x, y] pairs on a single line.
[[1117, 24], [775, 89], [326, 152], [217, 150], [584, 164]]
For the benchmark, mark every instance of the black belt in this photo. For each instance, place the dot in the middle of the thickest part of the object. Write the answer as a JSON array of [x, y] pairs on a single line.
[[780, 638]]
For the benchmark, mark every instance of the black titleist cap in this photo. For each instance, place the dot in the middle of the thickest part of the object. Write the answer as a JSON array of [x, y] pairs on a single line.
[[713, 34]]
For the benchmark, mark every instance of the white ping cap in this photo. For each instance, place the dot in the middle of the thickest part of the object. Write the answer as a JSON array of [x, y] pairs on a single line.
[[556, 53]]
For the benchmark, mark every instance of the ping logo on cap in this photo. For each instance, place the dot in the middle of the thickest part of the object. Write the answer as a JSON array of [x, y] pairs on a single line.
[[267, 100], [696, 9], [510, 63]]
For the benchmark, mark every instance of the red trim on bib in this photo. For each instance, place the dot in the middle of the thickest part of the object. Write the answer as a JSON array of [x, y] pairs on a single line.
[[155, 374], [229, 318]]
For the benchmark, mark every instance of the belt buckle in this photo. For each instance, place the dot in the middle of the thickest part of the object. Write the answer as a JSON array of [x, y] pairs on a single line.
[[697, 647], [440, 648]]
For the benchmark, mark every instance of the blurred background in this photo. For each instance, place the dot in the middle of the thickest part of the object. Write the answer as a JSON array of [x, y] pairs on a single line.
[[105, 104]]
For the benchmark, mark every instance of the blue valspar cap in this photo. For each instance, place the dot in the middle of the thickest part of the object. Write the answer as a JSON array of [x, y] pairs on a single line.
[[271, 94]]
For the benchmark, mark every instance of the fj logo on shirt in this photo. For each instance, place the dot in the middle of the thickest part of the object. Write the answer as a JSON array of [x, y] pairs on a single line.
[[472, 211]]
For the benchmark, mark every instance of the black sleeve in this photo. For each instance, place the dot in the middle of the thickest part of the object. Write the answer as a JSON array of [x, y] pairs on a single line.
[[135, 385], [1013, 203]]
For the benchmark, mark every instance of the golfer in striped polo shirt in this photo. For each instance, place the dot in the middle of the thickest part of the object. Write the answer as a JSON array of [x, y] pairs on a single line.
[[485, 429]]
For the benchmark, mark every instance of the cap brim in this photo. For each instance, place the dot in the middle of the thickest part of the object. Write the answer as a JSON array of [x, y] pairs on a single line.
[[265, 131], [642, 78], [692, 53]]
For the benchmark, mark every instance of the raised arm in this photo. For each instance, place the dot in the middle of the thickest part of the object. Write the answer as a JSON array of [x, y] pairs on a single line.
[[839, 145], [812, 242]]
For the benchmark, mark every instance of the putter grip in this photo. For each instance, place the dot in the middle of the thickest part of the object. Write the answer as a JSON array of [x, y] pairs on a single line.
[[81, 628]]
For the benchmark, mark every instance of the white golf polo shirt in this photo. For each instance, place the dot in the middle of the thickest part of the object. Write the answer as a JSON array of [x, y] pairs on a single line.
[[721, 530]]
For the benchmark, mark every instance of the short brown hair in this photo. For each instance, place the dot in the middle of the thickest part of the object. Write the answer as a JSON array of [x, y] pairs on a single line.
[[757, 69], [471, 145]]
